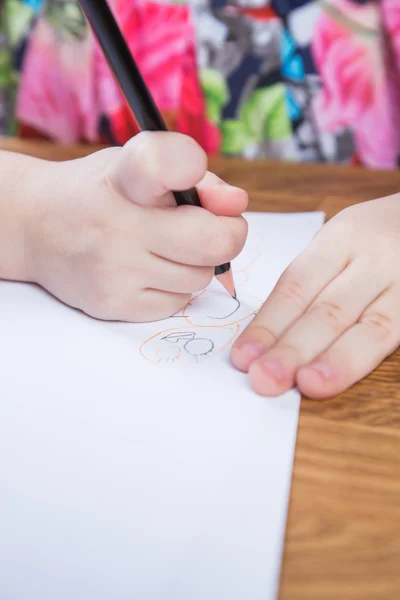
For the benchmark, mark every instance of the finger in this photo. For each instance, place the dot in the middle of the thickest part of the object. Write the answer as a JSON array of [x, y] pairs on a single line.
[[155, 305], [220, 198], [193, 236], [140, 307], [295, 291], [338, 307], [177, 278], [358, 352], [153, 163]]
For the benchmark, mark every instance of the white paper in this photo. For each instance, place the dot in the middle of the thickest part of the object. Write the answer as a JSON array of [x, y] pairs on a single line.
[[135, 462]]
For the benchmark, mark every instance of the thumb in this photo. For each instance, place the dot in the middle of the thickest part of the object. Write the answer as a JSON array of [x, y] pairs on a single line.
[[152, 164], [220, 198]]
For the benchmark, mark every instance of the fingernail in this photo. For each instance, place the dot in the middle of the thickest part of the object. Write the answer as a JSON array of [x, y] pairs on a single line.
[[323, 369], [274, 369], [250, 350]]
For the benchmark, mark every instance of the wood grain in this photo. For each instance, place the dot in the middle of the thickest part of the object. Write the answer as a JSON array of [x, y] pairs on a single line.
[[343, 533]]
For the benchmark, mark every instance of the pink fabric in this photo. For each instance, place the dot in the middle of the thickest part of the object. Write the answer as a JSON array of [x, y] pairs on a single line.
[[57, 92], [359, 89], [66, 87], [158, 35], [66, 84], [391, 17]]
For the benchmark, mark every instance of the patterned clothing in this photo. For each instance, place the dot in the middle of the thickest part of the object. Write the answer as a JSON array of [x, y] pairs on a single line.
[[299, 80]]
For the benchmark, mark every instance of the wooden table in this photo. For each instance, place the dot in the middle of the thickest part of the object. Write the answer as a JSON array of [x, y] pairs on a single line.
[[343, 534]]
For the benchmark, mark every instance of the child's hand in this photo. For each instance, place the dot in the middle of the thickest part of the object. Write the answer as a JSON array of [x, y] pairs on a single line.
[[107, 237], [334, 315]]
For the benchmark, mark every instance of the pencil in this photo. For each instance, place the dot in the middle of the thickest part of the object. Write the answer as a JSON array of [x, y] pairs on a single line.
[[138, 97]]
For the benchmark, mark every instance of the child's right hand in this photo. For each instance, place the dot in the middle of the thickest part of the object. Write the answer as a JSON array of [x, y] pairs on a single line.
[[104, 234]]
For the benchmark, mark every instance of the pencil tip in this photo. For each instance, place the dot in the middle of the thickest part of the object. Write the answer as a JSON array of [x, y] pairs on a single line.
[[226, 280]]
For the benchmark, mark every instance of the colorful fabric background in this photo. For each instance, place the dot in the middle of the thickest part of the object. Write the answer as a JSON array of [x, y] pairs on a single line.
[[299, 80]]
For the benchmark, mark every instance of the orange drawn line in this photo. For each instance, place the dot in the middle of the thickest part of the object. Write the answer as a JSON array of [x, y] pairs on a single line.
[[237, 327], [152, 338]]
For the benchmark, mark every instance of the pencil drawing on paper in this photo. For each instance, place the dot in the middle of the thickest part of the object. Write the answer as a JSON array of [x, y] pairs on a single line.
[[185, 347], [213, 321], [235, 307], [215, 308], [212, 326], [196, 347]]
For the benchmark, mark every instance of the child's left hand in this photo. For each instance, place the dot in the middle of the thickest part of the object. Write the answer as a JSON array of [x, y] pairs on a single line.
[[334, 315]]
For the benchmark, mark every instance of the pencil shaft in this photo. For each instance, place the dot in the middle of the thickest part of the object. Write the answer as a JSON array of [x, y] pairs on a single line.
[[123, 65], [129, 78], [132, 84]]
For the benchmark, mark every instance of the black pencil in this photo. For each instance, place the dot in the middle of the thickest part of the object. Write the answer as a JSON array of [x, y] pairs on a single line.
[[137, 96]]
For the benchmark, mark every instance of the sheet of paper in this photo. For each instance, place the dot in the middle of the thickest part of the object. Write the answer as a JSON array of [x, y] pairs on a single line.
[[135, 462]]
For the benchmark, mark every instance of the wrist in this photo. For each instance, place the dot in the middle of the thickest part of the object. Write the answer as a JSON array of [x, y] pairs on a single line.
[[23, 186]]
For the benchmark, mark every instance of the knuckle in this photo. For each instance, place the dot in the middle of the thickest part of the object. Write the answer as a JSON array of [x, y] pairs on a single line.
[[380, 324], [289, 347], [263, 333], [292, 291], [330, 313]]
